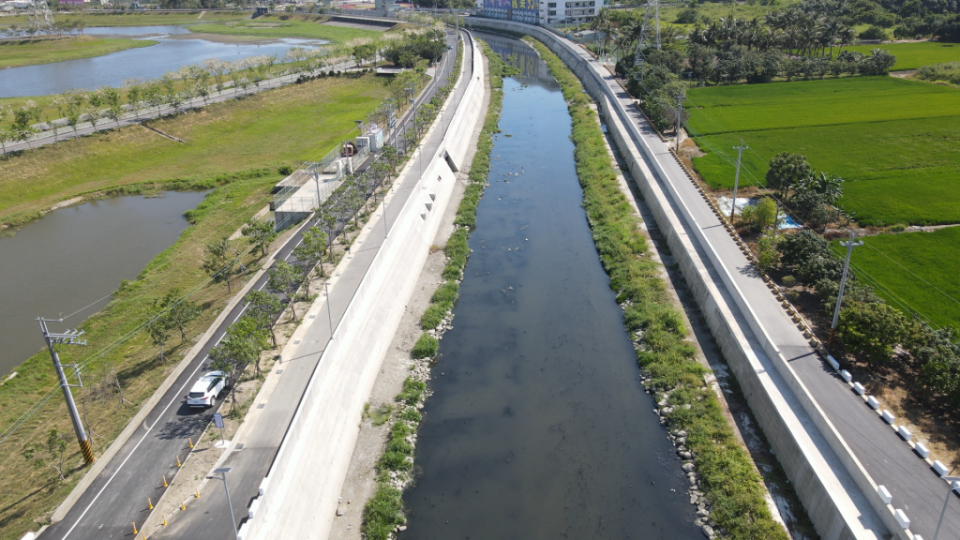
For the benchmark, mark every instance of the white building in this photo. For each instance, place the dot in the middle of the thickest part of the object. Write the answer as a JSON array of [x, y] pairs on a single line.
[[575, 11], [542, 12]]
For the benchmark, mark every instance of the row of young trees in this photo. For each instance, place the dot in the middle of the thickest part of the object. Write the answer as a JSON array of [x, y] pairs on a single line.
[[253, 333], [57, 28]]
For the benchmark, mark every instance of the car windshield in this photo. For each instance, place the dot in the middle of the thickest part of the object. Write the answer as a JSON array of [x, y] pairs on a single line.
[[196, 395]]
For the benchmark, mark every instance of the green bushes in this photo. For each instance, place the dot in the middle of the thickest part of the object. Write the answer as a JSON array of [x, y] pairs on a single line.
[[426, 347], [729, 480], [949, 73]]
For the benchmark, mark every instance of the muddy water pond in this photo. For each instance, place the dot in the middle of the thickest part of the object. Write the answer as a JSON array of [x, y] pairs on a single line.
[[538, 426], [75, 256]]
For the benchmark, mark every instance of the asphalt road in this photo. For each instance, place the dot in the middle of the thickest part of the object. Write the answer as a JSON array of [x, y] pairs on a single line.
[[119, 494], [208, 517], [889, 460]]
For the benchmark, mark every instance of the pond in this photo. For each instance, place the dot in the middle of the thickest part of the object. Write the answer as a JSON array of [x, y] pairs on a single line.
[[177, 47], [537, 426], [75, 256]]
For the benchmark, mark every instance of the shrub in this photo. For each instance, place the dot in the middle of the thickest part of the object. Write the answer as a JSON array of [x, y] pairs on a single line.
[[383, 513], [412, 392], [447, 293], [874, 32], [285, 170], [432, 317], [789, 281]]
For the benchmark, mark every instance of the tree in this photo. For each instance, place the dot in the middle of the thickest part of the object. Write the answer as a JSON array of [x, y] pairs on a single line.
[[181, 312], [114, 103], [220, 261], [49, 453], [392, 157], [134, 95], [261, 233], [286, 278], [263, 308], [313, 247], [787, 171], [159, 329], [241, 347], [871, 329], [21, 130]]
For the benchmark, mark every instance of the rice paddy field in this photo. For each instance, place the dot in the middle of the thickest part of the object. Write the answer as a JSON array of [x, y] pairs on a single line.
[[895, 142]]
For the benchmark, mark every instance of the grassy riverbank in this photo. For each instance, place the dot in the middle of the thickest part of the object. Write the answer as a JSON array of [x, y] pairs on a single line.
[[282, 126], [726, 475], [288, 26], [46, 51], [234, 149]]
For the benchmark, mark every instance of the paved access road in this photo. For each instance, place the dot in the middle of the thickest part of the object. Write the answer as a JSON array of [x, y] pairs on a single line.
[[118, 496], [208, 517], [891, 462]]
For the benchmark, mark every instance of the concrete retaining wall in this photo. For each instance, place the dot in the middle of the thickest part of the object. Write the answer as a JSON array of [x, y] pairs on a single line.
[[837, 492], [299, 496]]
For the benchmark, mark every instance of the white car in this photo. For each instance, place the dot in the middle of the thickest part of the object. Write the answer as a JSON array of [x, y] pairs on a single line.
[[205, 391]]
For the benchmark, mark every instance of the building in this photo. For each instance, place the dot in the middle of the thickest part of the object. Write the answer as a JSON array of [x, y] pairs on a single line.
[[542, 12]]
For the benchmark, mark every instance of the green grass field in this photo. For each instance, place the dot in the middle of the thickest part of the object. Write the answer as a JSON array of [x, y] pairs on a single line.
[[917, 271], [286, 125], [895, 142], [25, 53], [915, 55], [287, 26]]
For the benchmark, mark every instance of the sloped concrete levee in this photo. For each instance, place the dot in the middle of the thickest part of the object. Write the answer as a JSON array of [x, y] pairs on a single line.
[[298, 498], [834, 486]]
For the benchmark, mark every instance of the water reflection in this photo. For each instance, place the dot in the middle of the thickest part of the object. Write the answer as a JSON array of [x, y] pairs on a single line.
[[143, 63], [128, 31], [532, 70], [76, 255], [537, 426]]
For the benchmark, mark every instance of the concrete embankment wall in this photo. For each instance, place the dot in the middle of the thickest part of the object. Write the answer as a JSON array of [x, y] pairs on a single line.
[[298, 498], [838, 494]]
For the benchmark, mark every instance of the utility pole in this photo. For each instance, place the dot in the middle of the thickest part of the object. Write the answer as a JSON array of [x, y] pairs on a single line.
[[736, 179], [70, 337], [843, 280], [680, 98]]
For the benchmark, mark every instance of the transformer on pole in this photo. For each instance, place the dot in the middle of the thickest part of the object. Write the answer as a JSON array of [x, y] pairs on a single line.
[[70, 337]]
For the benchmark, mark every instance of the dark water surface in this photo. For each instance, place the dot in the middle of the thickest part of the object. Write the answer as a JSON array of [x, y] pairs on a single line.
[[538, 426], [75, 256], [143, 63]]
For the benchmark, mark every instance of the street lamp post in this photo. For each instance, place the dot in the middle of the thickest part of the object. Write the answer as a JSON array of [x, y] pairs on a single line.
[[954, 482], [329, 310], [222, 471]]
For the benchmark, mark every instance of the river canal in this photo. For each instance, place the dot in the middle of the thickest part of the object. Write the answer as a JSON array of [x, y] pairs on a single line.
[[538, 426], [75, 256], [176, 47]]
